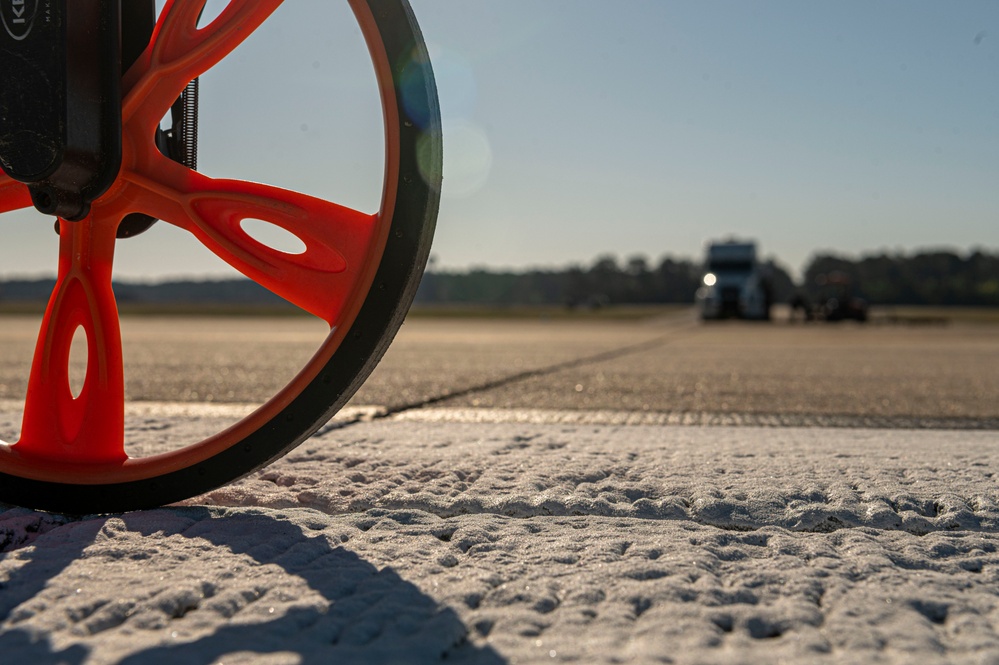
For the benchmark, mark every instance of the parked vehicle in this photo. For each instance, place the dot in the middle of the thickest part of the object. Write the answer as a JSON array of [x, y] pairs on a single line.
[[735, 283], [836, 301]]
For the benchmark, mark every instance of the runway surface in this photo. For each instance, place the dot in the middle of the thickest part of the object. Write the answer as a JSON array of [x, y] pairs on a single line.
[[734, 373], [544, 491]]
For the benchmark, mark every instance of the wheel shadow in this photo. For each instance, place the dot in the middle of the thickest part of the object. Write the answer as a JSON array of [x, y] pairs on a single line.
[[19, 528], [373, 615]]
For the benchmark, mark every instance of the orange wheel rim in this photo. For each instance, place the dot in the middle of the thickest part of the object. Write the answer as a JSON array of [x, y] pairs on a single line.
[[80, 439]]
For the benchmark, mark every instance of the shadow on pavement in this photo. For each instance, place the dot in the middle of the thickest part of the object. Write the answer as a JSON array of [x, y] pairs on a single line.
[[373, 616]]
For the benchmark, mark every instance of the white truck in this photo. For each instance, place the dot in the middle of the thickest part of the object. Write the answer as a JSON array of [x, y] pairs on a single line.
[[735, 283]]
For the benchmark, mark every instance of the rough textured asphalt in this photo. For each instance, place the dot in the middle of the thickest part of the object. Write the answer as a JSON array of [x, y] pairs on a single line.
[[401, 541]]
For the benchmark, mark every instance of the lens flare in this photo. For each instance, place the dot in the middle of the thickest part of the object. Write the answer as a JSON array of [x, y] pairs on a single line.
[[468, 159], [456, 83]]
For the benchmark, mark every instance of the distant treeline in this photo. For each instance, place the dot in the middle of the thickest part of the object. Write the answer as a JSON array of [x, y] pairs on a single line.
[[927, 278], [605, 282], [181, 292]]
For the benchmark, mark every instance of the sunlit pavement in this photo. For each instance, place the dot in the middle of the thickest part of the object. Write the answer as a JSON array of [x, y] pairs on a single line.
[[538, 513]]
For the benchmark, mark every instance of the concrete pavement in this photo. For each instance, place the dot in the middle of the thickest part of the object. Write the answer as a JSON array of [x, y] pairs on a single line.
[[520, 504]]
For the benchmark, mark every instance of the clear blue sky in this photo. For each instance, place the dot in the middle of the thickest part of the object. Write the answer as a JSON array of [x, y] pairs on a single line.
[[580, 127]]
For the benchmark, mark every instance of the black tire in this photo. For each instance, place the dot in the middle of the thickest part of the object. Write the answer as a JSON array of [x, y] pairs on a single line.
[[396, 45]]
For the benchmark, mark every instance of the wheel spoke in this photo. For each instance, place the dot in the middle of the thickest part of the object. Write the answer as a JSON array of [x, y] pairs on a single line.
[[180, 52], [89, 427], [337, 240], [13, 195], [319, 280]]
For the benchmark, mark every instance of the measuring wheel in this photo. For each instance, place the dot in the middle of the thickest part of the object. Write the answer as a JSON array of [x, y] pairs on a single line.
[[358, 272]]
